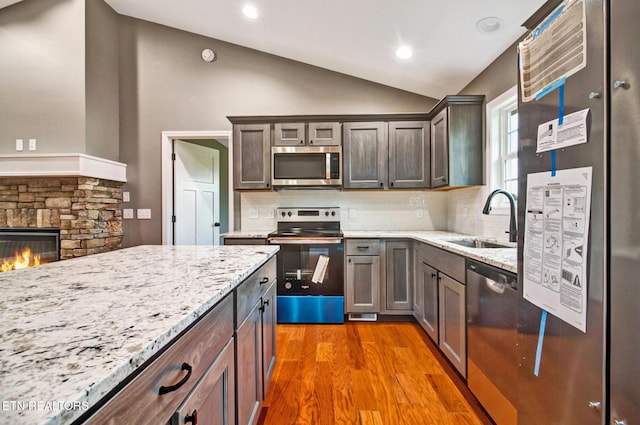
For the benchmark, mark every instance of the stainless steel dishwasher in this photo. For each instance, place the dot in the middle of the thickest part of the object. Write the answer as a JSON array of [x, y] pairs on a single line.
[[492, 335]]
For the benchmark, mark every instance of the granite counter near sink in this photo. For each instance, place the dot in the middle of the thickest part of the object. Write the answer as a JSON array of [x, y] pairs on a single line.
[[73, 330]]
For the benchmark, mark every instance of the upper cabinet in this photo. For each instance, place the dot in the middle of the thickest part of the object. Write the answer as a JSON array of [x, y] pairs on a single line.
[[457, 142], [252, 156], [409, 155], [364, 155], [318, 134], [381, 155]]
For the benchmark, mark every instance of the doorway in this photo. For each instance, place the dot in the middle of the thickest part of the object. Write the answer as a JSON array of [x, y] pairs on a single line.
[[196, 187]]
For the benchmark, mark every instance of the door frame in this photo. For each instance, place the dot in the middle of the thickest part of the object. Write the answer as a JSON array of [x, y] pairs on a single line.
[[167, 173]]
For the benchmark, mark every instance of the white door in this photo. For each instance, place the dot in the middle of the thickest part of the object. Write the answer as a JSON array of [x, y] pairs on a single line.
[[197, 194]]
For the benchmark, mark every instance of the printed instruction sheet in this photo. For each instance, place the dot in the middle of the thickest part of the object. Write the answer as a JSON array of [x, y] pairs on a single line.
[[573, 131], [555, 243]]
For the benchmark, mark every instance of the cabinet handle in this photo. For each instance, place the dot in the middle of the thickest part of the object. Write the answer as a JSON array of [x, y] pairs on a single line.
[[349, 259], [391, 184], [302, 142], [311, 142], [266, 302], [381, 184], [363, 247], [193, 418], [433, 275], [264, 280], [185, 366], [267, 184]]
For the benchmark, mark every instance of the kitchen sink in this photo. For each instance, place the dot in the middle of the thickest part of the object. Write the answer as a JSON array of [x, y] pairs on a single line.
[[479, 243]]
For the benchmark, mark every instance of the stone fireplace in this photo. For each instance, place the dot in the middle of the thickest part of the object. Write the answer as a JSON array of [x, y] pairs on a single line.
[[87, 210]]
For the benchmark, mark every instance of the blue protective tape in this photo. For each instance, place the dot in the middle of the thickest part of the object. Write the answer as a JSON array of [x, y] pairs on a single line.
[[543, 324], [546, 23], [551, 88], [553, 163], [561, 105]]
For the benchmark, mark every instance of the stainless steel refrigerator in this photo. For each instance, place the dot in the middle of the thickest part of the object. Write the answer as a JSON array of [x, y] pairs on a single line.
[[591, 377]]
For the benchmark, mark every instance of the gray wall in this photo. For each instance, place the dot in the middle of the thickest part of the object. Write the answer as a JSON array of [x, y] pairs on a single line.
[[498, 77], [42, 75], [165, 86], [102, 60]]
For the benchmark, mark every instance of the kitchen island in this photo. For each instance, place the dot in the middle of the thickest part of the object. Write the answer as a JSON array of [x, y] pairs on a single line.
[[73, 330]]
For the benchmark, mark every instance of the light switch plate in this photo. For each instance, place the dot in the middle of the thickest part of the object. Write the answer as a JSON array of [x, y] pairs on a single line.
[[270, 214], [352, 213], [32, 144], [144, 213], [126, 197], [254, 213], [127, 213], [419, 213], [19, 144]]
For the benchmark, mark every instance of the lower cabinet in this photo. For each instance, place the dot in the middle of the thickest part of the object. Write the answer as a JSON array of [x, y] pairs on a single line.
[[399, 270], [453, 336], [255, 342], [363, 284], [441, 309], [212, 400]]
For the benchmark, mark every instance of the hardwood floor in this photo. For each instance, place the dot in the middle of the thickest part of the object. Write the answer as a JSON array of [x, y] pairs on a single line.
[[364, 373]]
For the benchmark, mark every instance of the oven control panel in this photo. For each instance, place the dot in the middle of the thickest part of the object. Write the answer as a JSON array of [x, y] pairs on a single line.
[[308, 214]]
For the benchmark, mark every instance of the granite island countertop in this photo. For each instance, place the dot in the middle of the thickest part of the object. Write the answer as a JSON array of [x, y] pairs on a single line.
[[72, 330], [504, 258]]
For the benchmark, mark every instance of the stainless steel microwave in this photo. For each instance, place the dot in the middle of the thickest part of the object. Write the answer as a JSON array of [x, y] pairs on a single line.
[[300, 166]]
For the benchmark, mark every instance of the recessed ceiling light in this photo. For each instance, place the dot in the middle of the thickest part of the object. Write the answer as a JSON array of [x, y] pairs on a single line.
[[404, 52], [250, 11], [489, 25]]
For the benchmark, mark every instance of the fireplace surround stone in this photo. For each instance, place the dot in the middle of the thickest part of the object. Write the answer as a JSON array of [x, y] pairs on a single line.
[[87, 210]]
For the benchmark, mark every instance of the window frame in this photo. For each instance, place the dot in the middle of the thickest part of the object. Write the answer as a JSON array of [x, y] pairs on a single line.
[[494, 154]]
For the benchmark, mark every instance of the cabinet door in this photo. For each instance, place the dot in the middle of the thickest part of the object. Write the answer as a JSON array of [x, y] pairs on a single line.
[[440, 149], [363, 284], [212, 400], [249, 367], [429, 320], [418, 287], [365, 155], [409, 153], [325, 134], [251, 156], [399, 276], [289, 134], [269, 324], [453, 338]]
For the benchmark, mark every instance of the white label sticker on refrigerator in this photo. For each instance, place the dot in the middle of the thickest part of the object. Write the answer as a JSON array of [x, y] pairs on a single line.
[[573, 131], [555, 243]]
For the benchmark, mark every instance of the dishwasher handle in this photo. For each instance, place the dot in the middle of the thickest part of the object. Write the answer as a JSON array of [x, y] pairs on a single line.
[[497, 287]]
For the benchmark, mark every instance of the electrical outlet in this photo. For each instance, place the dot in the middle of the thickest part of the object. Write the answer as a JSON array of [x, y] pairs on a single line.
[[254, 213], [19, 144], [144, 214], [127, 213], [419, 213], [126, 197], [270, 213], [32, 144], [352, 213]]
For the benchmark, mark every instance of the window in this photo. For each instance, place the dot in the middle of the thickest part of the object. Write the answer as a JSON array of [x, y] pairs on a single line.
[[502, 149]]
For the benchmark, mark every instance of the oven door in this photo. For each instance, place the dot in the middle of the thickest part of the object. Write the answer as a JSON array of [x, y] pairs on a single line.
[[310, 282], [306, 166]]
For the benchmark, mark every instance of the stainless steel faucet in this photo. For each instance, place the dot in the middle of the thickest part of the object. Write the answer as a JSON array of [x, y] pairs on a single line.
[[513, 232]]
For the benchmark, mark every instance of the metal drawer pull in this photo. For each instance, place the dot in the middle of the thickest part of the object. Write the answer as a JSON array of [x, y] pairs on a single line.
[[193, 418], [264, 280], [185, 366], [363, 247], [266, 302]]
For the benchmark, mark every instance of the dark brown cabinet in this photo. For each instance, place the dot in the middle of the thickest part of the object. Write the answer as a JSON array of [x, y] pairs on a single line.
[[409, 152], [252, 156], [364, 155], [307, 134], [457, 142], [381, 155]]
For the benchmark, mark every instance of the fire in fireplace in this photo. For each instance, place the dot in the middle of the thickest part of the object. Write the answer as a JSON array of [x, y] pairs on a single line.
[[26, 247]]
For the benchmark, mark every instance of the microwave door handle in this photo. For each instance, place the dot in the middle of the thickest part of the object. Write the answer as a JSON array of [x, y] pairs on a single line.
[[327, 170]]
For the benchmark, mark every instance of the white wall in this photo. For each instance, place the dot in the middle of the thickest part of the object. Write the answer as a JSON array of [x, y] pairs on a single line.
[[374, 210], [464, 213]]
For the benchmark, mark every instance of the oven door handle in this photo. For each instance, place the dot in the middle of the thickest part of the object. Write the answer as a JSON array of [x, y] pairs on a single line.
[[305, 241]]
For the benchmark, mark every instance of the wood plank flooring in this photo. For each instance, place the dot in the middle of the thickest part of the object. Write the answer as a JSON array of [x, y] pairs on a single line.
[[365, 374]]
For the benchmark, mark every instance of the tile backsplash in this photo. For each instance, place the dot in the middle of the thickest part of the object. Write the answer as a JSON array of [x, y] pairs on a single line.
[[457, 210], [361, 210]]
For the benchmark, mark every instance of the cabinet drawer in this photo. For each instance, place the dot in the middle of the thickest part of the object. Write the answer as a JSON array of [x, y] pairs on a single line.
[[448, 263], [140, 403], [253, 288], [363, 246]]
